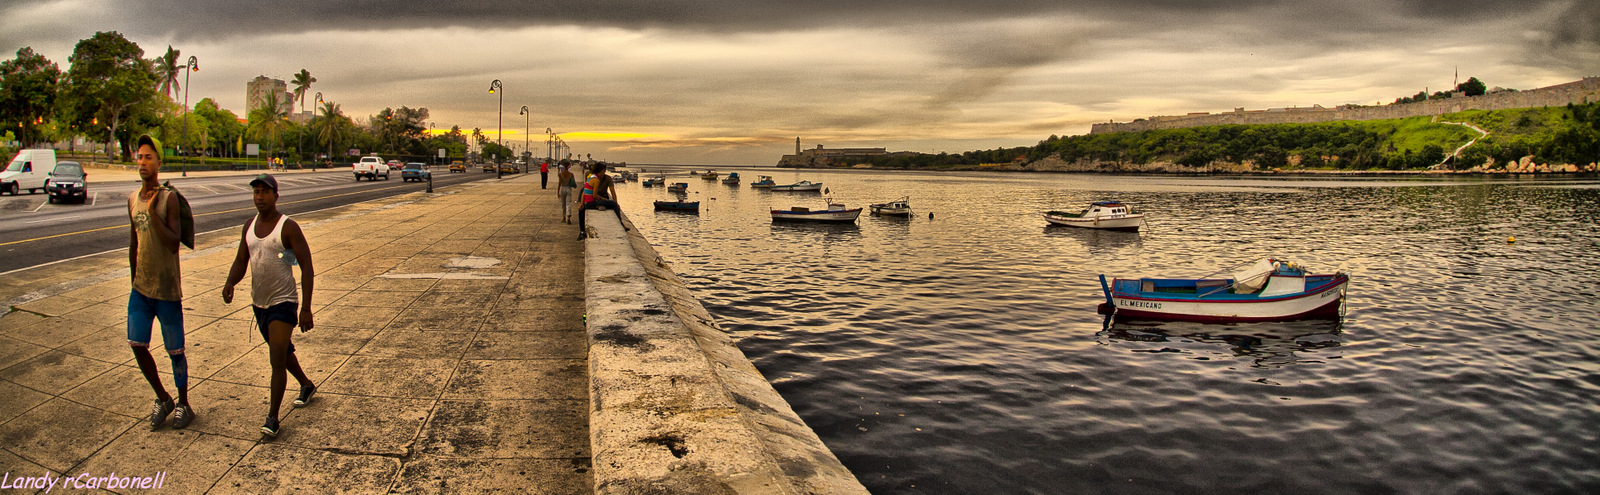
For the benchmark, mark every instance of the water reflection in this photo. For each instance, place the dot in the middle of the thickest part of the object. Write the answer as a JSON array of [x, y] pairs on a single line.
[[1268, 345], [1095, 240]]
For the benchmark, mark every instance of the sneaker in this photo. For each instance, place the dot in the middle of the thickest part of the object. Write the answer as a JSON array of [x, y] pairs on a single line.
[[305, 396], [582, 237], [182, 416], [271, 428], [159, 415]]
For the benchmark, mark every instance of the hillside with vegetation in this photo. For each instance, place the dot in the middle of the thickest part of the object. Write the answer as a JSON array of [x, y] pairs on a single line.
[[1551, 135]]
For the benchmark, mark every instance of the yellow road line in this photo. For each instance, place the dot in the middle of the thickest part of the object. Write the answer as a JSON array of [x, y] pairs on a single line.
[[196, 216]]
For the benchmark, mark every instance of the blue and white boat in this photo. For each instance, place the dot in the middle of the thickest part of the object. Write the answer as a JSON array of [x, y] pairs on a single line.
[[732, 178], [679, 187], [1269, 290], [765, 183]]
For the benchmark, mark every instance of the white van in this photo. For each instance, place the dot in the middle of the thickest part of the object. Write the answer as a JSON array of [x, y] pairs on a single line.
[[29, 170]]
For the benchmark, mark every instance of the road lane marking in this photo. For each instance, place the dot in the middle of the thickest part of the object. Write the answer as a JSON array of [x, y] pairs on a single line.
[[41, 205], [252, 207], [55, 219]]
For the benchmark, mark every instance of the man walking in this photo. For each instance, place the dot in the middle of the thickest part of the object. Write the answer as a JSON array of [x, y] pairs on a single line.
[[270, 244], [544, 174], [157, 294]]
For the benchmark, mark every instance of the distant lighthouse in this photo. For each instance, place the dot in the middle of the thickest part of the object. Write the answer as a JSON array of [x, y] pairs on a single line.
[[797, 146]]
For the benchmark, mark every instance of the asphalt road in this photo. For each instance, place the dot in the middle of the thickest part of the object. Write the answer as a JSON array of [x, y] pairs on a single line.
[[35, 232]]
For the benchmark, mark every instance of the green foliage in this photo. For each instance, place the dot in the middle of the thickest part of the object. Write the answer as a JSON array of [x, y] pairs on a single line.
[[494, 151], [1473, 87], [109, 90], [27, 94]]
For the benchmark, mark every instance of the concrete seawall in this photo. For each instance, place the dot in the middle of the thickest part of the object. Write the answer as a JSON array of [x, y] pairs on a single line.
[[675, 406]]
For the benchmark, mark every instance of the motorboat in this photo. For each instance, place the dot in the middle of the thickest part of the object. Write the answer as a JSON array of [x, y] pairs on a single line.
[[709, 175], [897, 208], [654, 181], [685, 206], [836, 212], [1108, 215], [1268, 290], [731, 179], [801, 186], [678, 187], [764, 183]]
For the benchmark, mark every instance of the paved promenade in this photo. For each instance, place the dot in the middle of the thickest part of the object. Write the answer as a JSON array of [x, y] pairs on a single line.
[[449, 352]]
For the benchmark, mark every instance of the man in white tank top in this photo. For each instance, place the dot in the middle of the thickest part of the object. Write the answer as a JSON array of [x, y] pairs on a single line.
[[270, 245]]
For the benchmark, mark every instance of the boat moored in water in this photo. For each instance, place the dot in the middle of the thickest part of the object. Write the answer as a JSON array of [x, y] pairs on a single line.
[[654, 181], [678, 187], [709, 175], [684, 206], [764, 183], [1269, 290], [836, 212], [732, 178], [1107, 215], [897, 208], [802, 186]]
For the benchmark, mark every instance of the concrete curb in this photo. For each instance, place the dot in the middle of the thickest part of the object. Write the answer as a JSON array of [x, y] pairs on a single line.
[[676, 407]]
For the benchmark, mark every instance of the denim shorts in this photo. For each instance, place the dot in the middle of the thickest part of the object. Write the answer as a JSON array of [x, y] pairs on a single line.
[[142, 313], [287, 312]]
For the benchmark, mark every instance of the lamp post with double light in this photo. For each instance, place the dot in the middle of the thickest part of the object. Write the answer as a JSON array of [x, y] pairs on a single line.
[[192, 66], [496, 87]]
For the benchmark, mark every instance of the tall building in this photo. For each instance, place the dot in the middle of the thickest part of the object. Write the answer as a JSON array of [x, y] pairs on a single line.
[[263, 87]]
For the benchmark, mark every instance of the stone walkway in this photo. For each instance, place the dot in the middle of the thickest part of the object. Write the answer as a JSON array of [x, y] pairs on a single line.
[[449, 352]]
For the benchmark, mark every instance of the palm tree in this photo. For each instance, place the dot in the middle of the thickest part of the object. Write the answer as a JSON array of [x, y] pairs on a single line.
[[302, 82], [477, 136], [268, 120], [327, 125], [167, 70]]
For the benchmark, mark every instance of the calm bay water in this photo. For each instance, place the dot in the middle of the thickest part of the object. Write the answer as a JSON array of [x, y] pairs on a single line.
[[963, 354]]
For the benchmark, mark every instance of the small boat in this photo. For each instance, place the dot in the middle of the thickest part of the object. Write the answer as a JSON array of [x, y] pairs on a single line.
[[709, 175], [836, 212], [678, 187], [1108, 215], [765, 182], [1269, 290], [801, 186], [627, 175], [693, 206], [654, 181], [897, 208], [732, 178]]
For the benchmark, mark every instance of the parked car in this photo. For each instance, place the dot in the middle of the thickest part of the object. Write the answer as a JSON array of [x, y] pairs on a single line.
[[68, 181], [29, 169], [488, 166], [509, 168], [415, 172], [458, 167]]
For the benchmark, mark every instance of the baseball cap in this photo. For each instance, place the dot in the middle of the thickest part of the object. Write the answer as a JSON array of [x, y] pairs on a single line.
[[145, 139], [266, 180]]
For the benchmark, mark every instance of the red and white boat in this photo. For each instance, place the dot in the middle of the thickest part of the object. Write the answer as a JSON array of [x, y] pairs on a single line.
[[836, 212], [1270, 290]]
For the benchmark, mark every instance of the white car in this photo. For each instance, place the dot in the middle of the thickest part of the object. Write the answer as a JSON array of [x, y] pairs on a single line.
[[29, 170], [370, 167]]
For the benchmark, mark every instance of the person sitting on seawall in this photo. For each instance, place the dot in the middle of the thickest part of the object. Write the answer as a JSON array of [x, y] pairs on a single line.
[[597, 192]]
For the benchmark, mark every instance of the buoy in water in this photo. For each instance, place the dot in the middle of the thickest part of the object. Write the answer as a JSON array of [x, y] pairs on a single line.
[[930, 215], [1511, 239]]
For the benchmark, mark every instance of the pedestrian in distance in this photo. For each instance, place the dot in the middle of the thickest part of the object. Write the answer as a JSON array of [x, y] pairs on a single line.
[[598, 192], [157, 294], [565, 185], [544, 174], [269, 246]]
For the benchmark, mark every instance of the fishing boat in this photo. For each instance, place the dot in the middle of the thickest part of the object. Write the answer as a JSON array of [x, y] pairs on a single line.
[[688, 206], [764, 183], [654, 181], [897, 208], [1269, 290], [678, 187], [836, 212], [628, 176], [731, 179], [709, 175], [801, 186], [1108, 215]]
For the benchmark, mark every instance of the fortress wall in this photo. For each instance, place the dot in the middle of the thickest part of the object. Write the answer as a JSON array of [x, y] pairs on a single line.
[[1576, 92]]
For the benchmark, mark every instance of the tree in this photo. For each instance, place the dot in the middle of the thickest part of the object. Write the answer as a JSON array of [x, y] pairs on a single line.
[[27, 94], [108, 84], [167, 70], [1473, 87], [219, 127], [268, 121], [302, 82], [327, 126]]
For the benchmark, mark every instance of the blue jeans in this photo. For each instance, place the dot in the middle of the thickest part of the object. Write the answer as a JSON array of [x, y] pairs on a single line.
[[142, 313]]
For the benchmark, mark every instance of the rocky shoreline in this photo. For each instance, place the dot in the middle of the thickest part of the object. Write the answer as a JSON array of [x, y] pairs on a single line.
[[1055, 164]]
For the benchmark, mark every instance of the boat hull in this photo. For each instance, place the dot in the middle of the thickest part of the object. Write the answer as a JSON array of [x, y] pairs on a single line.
[[1128, 223], [816, 216], [891, 212], [798, 187], [1323, 300], [689, 206]]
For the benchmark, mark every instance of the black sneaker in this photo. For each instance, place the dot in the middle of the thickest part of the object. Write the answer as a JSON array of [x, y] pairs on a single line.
[[305, 396], [159, 415], [184, 415], [582, 236], [271, 428]]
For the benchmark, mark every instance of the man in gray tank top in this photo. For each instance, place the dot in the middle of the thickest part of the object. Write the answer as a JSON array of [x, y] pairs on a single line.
[[269, 246]]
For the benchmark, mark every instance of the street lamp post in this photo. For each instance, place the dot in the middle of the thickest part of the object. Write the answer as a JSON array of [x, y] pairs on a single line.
[[549, 141], [315, 104], [192, 66], [527, 125], [496, 87]]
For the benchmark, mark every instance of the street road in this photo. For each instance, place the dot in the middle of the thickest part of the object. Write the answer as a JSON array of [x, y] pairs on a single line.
[[34, 232]]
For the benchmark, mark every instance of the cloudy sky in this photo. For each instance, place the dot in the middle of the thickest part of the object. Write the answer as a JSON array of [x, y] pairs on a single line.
[[736, 81]]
